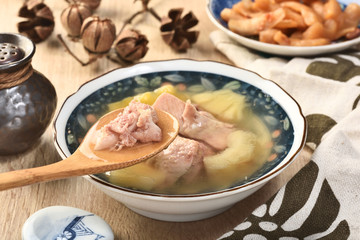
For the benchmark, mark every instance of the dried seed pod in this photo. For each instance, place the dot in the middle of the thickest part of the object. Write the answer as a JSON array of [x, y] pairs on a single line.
[[174, 29], [73, 17], [93, 4], [98, 34], [40, 23], [131, 45]]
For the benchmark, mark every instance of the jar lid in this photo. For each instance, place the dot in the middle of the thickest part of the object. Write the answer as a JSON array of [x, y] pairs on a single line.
[[15, 50], [61, 222]]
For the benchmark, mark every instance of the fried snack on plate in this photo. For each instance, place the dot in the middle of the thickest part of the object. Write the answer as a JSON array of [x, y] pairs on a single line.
[[308, 14], [227, 14], [294, 23], [253, 26]]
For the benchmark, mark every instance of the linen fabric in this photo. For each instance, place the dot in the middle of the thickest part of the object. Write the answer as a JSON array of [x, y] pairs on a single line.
[[322, 201]]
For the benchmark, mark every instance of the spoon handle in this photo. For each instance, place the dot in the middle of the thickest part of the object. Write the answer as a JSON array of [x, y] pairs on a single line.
[[71, 166], [78, 164]]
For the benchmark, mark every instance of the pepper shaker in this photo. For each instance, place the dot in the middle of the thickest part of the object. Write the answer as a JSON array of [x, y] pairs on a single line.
[[27, 98]]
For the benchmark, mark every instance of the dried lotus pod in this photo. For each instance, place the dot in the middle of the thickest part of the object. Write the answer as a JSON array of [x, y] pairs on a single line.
[[98, 34], [131, 45], [40, 23], [93, 4], [175, 30], [73, 17]]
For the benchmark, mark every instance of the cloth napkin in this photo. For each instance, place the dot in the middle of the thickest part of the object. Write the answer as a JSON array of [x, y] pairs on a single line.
[[322, 201]]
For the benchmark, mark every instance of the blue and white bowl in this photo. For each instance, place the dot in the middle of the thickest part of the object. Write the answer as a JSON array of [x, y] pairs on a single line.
[[214, 8], [279, 111]]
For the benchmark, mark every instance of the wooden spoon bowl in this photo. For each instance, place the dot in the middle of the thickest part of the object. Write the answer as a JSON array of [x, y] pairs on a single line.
[[85, 160]]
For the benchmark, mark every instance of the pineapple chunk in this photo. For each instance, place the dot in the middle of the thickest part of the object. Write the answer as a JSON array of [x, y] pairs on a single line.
[[166, 89], [232, 114], [148, 97], [226, 167], [241, 146], [140, 176], [120, 104], [224, 104], [172, 90]]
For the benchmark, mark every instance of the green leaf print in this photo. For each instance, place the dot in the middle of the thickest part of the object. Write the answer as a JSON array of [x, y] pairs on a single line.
[[265, 224], [343, 70]]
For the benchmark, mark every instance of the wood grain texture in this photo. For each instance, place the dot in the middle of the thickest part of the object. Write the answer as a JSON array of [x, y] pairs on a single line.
[[67, 75]]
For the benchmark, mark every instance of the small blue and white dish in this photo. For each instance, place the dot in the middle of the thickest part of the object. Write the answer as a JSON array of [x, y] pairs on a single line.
[[214, 8], [65, 223], [281, 114]]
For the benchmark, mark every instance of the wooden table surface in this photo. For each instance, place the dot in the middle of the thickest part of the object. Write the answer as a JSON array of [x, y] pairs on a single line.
[[67, 75]]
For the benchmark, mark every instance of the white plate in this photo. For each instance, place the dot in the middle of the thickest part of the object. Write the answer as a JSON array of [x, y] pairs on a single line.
[[214, 6]]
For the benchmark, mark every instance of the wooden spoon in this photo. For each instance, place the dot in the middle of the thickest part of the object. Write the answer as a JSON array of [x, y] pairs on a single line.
[[85, 160]]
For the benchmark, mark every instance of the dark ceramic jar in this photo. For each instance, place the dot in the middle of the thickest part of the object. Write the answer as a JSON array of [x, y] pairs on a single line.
[[27, 98]]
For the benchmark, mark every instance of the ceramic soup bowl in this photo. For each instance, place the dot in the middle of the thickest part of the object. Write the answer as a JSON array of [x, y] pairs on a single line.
[[279, 112]]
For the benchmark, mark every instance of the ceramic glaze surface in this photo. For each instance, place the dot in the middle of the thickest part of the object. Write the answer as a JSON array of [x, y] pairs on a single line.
[[65, 223], [27, 98], [278, 110], [29, 109]]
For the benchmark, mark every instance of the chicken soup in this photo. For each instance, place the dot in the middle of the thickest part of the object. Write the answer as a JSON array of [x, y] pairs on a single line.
[[220, 142]]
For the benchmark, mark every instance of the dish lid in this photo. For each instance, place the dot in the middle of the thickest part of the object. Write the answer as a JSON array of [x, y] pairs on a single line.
[[62, 223]]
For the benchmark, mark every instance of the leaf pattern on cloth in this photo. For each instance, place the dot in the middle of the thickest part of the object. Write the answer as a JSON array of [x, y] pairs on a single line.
[[318, 125], [356, 102], [343, 70], [286, 222], [307, 207]]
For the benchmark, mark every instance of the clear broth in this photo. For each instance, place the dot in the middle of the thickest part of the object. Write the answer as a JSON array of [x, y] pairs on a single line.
[[143, 178]]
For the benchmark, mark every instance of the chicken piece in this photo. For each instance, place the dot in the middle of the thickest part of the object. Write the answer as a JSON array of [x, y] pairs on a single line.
[[171, 104], [137, 123], [203, 126], [199, 125], [147, 130], [182, 159]]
